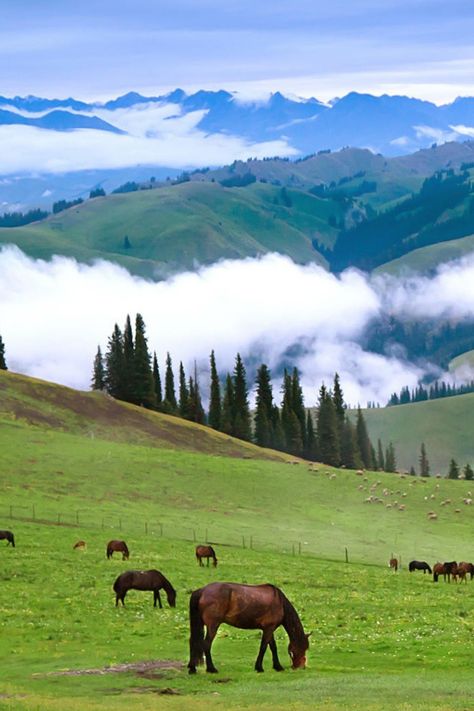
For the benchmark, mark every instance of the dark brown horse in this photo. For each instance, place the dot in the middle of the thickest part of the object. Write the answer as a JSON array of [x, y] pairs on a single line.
[[464, 569], [446, 570], [9, 536], [80, 545], [206, 552], [144, 580], [117, 547], [393, 563], [248, 607], [419, 565]]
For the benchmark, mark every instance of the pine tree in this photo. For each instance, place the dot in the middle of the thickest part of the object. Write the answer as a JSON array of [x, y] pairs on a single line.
[[263, 434], [327, 429], [412, 471], [468, 473], [423, 460], [242, 423], [363, 440], [338, 400], [98, 374], [297, 404], [350, 454], [114, 364], [169, 403], [196, 410], [215, 404], [143, 384], [184, 394], [157, 383], [3, 362], [453, 470], [227, 423], [380, 457], [311, 448], [129, 376], [390, 458]]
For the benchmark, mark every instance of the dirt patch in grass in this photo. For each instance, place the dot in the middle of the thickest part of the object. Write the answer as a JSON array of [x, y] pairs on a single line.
[[149, 669]]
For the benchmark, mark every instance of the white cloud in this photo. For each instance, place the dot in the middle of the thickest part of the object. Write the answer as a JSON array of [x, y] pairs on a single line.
[[55, 313]]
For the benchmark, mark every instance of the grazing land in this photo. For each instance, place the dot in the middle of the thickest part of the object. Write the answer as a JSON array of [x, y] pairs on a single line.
[[380, 640]]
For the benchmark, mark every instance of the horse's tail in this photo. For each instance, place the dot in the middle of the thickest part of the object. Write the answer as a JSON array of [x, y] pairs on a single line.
[[196, 639]]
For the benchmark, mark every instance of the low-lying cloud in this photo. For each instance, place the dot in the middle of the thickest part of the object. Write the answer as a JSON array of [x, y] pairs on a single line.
[[54, 314]]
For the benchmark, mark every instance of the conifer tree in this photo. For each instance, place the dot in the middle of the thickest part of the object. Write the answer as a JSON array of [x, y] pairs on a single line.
[[338, 400], [390, 458], [453, 470], [3, 362], [468, 473], [157, 383], [227, 423], [412, 471], [184, 394], [327, 429], [143, 385], [424, 464], [169, 403], [297, 404], [278, 433], [114, 364], [263, 434], [242, 422], [98, 374], [129, 384], [380, 456], [215, 404], [311, 448], [363, 440], [196, 410]]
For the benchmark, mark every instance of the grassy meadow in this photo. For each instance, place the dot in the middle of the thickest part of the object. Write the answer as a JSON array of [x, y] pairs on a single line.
[[380, 640]]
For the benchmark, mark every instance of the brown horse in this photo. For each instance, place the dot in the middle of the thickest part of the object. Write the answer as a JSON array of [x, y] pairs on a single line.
[[9, 537], [446, 570], [117, 547], [144, 580], [463, 570], [247, 607], [206, 552], [393, 563], [80, 545]]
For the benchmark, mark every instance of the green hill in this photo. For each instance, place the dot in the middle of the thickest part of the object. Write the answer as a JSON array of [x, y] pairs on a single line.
[[462, 361], [444, 425]]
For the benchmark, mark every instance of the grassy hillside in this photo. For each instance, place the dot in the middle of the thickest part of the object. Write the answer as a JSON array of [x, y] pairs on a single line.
[[444, 425], [373, 632], [427, 259], [465, 360]]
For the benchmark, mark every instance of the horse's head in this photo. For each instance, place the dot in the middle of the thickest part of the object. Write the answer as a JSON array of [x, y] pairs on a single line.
[[215, 562], [172, 597], [297, 652]]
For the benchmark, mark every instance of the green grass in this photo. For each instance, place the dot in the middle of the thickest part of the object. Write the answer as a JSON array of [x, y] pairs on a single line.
[[427, 259], [444, 425], [380, 640], [465, 360]]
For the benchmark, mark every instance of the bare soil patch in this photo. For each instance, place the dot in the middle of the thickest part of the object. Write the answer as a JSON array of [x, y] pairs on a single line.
[[148, 669]]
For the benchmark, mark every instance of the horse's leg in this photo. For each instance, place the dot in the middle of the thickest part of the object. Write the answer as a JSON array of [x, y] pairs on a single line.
[[208, 561], [156, 595], [267, 635], [211, 633], [276, 662]]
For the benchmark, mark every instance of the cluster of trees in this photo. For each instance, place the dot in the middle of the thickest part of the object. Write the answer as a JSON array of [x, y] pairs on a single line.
[[128, 372], [455, 473], [438, 390], [3, 362], [17, 219]]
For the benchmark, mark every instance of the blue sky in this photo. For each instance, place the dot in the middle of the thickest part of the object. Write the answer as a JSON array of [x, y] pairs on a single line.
[[307, 47]]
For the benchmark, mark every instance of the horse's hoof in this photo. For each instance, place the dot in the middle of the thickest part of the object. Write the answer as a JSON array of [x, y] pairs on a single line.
[[191, 670], [260, 671], [280, 668], [213, 670]]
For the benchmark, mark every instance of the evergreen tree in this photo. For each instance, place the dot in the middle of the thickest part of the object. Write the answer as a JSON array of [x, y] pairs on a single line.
[[227, 422], [363, 440], [98, 375], [350, 454], [327, 429], [169, 403], [311, 448], [263, 434], [3, 363], [278, 433], [242, 421], [380, 457], [338, 400], [114, 364], [424, 464], [297, 404], [412, 471], [390, 458], [215, 404], [468, 473], [157, 383], [143, 384], [453, 470], [196, 410], [129, 383], [185, 406]]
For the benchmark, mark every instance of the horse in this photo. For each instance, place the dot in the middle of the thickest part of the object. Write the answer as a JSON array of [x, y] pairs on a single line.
[[248, 607], [144, 580], [9, 537], [80, 545], [393, 563], [206, 552], [465, 568], [446, 570], [419, 565], [118, 547]]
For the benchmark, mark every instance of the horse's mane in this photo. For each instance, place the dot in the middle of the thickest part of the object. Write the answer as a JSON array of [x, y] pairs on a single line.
[[168, 588], [291, 621]]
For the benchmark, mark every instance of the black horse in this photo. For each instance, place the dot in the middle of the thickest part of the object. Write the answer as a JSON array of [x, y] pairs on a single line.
[[144, 580], [419, 565], [9, 536]]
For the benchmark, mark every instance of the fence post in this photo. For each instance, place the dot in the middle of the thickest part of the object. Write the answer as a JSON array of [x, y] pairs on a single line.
[[77, 517], [299, 548], [207, 538], [11, 511], [102, 524], [243, 541], [293, 548], [251, 542], [161, 529], [347, 555], [120, 523], [146, 527]]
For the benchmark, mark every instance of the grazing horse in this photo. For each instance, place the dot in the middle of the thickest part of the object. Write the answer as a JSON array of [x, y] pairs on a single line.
[[247, 607], [393, 563], [446, 570], [81, 545], [117, 547], [9, 536], [144, 580], [465, 568], [419, 565], [206, 552]]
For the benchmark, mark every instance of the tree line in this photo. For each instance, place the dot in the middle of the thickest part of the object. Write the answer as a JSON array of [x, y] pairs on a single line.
[[438, 390], [129, 372], [19, 219]]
